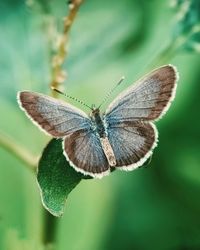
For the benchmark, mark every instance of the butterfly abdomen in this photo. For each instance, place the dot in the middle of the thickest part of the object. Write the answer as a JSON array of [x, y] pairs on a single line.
[[101, 130], [107, 148]]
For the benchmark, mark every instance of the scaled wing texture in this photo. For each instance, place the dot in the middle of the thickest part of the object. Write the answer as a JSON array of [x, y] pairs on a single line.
[[128, 122], [129, 117]]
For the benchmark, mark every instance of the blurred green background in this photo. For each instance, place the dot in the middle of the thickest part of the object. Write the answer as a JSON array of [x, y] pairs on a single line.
[[157, 207]]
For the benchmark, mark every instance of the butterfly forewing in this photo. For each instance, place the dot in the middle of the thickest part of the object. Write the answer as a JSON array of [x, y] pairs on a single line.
[[51, 115], [146, 100]]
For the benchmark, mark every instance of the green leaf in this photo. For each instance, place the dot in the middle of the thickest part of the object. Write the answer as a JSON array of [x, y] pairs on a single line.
[[56, 178]]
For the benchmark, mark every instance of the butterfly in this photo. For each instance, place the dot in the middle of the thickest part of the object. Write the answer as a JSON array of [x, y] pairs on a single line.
[[123, 137]]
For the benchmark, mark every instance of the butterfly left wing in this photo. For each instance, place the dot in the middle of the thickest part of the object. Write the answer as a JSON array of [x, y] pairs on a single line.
[[81, 145], [84, 151], [53, 116], [128, 118]]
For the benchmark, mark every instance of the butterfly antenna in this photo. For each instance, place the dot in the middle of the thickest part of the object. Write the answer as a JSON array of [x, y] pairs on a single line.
[[71, 97], [111, 91]]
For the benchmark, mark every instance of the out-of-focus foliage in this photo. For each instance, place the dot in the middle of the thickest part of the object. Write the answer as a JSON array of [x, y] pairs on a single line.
[[151, 208], [187, 27]]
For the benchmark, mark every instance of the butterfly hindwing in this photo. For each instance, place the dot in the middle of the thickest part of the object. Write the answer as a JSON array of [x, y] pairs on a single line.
[[132, 143], [51, 115], [84, 151]]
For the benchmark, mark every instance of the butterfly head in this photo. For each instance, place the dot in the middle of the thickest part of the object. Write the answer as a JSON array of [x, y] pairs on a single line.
[[95, 110]]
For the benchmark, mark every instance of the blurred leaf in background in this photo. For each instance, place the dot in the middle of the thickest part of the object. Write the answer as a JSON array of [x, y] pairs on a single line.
[[187, 27], [156, 207]]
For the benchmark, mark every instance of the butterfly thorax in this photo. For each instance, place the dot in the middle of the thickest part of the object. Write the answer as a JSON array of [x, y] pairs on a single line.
[[96, 117], [101, 130]]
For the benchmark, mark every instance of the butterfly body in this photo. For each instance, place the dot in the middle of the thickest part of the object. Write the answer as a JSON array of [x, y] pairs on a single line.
[[101, 132], [123, 137], [99, 124]]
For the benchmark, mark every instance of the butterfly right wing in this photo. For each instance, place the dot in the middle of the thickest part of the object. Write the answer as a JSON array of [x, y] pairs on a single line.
[[129, 117], [146, 100], [54, 117]]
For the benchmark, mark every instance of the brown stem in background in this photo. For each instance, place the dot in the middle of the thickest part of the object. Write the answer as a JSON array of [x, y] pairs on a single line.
[[18, 151], [59, 75]]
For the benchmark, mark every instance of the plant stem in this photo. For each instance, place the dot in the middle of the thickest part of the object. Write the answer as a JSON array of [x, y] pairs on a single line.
[[18, 151], [59, 75], [49, 230]]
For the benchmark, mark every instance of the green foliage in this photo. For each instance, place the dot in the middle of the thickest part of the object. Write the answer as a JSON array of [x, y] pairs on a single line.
[[150, 208], [187, 27], [56, 178]]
